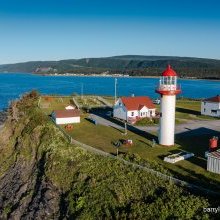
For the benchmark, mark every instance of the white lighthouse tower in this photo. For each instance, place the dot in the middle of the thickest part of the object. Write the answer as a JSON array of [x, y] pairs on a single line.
[[168, 89]]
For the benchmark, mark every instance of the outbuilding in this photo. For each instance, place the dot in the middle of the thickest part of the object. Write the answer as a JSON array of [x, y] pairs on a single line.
[[213, 161], [66, 116], [211, 106], [69, 107]]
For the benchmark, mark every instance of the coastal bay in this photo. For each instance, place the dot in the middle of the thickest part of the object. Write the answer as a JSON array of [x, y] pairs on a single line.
[[13, 85]]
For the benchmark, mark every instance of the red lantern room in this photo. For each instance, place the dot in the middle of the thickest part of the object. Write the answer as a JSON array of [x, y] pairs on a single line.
[[168, 83]]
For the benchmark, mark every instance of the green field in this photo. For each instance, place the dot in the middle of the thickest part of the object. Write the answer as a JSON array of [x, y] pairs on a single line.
[[192, 170], [50, 103], [189, 109]]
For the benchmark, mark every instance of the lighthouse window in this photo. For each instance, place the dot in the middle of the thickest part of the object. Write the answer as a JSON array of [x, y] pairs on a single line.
[[132, 113], [165, 80]]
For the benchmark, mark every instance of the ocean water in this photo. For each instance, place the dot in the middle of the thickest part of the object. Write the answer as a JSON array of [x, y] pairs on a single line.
[[13, 85]]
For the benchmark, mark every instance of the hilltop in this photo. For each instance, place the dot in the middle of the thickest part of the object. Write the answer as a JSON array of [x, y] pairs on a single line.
[[134, 65], [42, 176]]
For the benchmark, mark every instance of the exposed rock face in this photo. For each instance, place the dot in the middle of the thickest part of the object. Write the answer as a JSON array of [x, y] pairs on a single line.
[[25, 191], [26, 194], [3, 116]]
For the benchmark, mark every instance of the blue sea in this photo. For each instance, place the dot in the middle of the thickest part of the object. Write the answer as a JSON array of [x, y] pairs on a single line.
[[13, 85]]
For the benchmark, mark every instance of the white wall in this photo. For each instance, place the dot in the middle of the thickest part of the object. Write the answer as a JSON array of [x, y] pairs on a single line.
[[207, 107], [146, 112], [119, 110], [167, 120], [133, 114], [71, 120]]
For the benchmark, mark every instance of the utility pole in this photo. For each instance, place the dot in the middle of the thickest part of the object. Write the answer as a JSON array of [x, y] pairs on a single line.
[[115, 90], [125, 128]]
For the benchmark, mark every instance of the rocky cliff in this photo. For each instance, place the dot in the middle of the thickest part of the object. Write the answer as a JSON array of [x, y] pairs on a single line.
[[3, 116], [42, 176]]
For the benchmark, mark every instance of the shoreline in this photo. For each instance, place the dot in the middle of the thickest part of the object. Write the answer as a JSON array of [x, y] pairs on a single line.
[[119, 76], [107, 76]]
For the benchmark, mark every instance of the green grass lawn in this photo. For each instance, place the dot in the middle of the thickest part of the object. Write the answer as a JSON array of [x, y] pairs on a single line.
[[88, 101], [101, 137], [50, 103], [193, 169], [189, 109]]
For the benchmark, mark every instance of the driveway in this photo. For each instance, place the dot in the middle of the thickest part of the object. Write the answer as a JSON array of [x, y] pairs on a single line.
[[196, 127], [192, 127], [104, 121]]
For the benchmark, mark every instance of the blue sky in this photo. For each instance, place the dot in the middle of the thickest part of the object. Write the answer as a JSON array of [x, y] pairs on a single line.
[[65, 29]]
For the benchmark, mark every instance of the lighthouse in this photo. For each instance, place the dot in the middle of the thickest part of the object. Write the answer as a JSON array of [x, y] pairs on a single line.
[[168, 89]]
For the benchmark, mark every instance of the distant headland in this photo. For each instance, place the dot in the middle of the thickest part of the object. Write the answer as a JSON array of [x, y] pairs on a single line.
[[126, 65]]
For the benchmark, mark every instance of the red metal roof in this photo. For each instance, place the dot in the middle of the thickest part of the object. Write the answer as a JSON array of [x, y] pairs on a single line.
[[169, 72], [67, 113], [135, 103], [213, 99]]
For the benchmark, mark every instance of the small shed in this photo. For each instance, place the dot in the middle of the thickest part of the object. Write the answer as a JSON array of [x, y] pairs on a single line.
[[213, 161], [66, 116], [69, 107]]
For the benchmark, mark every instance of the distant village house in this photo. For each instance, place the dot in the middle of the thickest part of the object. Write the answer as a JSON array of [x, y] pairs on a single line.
[[45, 70], [211, 106], [132, 109]]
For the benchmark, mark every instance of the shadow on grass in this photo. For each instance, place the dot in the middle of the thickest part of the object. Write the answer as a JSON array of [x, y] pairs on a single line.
[[117, 129], [187, 111], [198, 179], [197, 140]]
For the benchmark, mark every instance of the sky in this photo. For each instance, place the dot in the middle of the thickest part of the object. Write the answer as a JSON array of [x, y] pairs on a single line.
[[67, 29]]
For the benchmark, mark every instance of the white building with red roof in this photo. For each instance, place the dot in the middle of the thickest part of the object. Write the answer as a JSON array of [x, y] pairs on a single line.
[[211, 106], [66, 116], [132, 109]]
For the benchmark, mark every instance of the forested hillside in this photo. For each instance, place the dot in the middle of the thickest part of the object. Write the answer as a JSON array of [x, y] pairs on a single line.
[[42, 176], [131, 64]]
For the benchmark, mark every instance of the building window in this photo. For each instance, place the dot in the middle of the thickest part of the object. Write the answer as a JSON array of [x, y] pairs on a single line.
[[204, 109], [214, 111], [204, 103], [132, 113]]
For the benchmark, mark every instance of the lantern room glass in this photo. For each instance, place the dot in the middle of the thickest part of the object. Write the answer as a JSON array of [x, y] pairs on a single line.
[[168, 80]]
